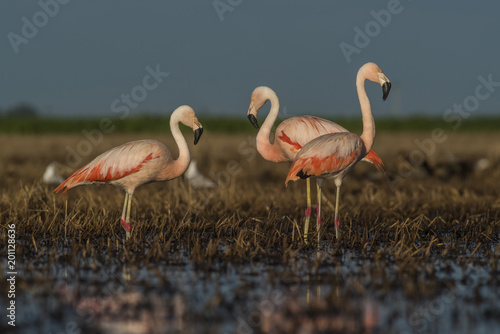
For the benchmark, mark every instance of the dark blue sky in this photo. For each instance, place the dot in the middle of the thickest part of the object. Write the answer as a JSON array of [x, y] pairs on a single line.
[[91, 52]]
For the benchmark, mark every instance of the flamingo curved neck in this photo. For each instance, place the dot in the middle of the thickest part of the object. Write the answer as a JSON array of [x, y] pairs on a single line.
[[269, 151], [368, 135], [180, 165]]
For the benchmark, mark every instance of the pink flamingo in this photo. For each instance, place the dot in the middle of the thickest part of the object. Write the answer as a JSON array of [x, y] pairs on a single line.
[[291, 135], [138, 162], [334, 155]]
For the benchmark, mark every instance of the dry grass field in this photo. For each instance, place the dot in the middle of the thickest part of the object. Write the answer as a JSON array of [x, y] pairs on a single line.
[[422, 257]]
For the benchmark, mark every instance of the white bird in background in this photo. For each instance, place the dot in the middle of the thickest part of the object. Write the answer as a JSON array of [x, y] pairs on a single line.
[[195, 179], [51, 176]]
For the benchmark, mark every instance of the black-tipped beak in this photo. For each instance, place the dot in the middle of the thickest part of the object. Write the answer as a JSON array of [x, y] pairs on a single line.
[[253, 120], [386, 87], [197, 135]]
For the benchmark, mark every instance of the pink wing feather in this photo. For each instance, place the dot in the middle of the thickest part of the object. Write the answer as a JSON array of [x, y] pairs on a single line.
[[295, 132], [327, 154], [114, 164], [374, 159]]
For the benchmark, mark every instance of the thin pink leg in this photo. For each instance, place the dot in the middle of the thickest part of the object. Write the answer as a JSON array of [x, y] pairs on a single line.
[[337, 222], [318, 214], [319, 183], [126, 215], [308, 210]]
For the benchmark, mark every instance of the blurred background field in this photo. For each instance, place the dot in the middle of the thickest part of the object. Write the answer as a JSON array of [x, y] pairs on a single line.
[[154, 123]]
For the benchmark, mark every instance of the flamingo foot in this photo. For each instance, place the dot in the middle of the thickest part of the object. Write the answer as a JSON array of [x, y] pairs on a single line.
[[126, 226]]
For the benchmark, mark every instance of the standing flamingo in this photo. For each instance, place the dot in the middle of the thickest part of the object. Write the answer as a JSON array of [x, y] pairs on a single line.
[[139, 162], [334, 155], [291, 135]]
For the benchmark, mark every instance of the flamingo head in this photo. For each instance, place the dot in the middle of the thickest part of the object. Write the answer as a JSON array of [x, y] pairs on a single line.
[[259, 97], [189, 118], [373, 73]]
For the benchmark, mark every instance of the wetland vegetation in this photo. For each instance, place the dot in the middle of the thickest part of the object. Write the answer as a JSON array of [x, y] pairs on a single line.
[[420, 258]]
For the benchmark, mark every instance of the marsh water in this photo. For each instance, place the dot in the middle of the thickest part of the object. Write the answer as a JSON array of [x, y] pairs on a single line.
[[316, 292]]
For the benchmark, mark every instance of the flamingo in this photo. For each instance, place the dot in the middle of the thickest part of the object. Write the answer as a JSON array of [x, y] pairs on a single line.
[[138, 162], [291, 135], [334, 155]]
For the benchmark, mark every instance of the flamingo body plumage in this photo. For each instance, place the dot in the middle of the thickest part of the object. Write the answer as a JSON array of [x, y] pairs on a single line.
[[139, 162], [291, 134], [126, 166], [328, 156]]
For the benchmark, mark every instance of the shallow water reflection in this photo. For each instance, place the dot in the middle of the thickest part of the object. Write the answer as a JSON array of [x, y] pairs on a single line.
[[345, 294]]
